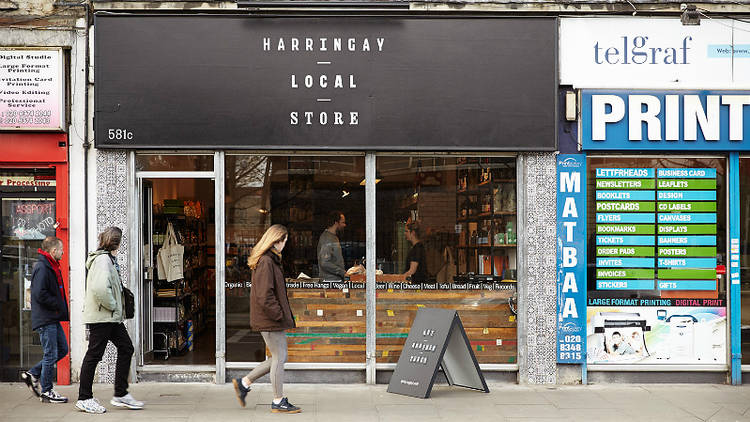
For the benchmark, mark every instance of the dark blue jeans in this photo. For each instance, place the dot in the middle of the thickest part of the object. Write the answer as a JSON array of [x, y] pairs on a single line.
[[55, 347]]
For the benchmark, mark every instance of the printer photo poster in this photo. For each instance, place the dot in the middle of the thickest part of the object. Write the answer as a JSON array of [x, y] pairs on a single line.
[[656, 334]]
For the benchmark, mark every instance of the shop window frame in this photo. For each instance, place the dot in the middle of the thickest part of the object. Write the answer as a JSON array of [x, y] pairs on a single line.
[[629, 367]]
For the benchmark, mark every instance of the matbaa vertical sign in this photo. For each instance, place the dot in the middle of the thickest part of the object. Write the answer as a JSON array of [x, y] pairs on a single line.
[[571, 258]]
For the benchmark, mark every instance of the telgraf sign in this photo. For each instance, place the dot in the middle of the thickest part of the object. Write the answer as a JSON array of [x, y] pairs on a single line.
[[571, 258], [665, 120], [654, 52], [31, 89]]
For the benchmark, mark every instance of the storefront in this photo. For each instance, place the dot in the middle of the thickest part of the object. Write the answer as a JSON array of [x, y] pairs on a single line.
[[33, 194], [661, 140], [351, 125]]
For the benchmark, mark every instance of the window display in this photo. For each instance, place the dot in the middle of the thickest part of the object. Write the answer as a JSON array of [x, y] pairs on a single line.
[[447, 238], [657, 254], [321, 202]]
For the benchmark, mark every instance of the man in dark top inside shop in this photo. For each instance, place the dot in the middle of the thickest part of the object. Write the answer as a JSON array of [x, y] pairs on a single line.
[[330, 259], [416, 259]]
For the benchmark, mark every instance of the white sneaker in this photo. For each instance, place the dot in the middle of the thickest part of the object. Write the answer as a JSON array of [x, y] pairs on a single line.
[[90, 406], [52, 396], [127, 401]]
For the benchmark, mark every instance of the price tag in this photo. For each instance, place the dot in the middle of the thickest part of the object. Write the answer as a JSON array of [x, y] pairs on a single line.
[[359, 312], [320, 312], [499, 342]]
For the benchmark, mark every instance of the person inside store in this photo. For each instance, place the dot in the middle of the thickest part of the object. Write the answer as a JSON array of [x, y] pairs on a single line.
[[48, 307], [331, 265], [416, 259], [270, 314], [103, 314]]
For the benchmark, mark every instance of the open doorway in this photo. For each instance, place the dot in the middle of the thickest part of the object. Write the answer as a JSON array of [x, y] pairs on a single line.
[[178, 318]]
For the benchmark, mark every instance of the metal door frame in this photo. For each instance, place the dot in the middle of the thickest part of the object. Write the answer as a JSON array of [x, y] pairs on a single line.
[[136, 247]]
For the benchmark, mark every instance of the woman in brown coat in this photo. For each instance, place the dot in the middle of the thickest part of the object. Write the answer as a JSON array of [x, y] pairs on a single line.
[[271, 315]]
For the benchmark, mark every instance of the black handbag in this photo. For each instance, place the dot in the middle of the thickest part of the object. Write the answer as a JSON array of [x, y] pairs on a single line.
[[129, 302]]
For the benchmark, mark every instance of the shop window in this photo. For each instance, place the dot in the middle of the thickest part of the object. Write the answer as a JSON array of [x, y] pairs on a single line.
[[656, 260], [446, 238], [27, 213], [174, 162], [299, 192], [744, 203]]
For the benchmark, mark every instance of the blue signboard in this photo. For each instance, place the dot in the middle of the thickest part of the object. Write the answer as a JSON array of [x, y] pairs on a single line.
[[665, 120], [571, 258]]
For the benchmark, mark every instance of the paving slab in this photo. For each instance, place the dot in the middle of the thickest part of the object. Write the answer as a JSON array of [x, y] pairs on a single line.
[[527, 410], [727, 415]]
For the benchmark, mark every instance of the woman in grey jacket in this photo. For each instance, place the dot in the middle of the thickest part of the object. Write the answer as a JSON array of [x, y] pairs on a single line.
[[103, 312]]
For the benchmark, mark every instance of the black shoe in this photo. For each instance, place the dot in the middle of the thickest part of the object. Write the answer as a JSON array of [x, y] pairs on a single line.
[[284, 407], [31, 381], [240, 390], [51, 396]]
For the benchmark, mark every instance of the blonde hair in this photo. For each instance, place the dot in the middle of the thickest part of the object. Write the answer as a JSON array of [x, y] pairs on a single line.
[[273, 235]]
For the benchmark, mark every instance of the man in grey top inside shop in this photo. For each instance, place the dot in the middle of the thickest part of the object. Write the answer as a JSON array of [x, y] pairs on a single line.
[[330, 260]]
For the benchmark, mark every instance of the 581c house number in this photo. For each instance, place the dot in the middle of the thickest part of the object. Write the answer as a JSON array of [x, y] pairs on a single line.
[[119, 135]]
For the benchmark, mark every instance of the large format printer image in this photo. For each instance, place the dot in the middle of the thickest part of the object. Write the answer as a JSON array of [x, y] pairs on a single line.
[[652, 335]]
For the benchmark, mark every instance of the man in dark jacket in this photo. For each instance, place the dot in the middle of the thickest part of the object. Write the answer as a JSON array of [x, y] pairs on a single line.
[[49, 306]]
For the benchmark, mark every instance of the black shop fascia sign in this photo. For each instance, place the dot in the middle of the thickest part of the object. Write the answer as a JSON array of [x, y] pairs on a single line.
[[330, 83]]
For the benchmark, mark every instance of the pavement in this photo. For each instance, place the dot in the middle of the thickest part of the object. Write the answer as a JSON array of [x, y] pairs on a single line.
[[178, 402]]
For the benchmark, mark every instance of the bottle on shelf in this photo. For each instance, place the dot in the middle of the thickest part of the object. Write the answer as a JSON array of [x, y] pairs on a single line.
[[481, 237], [498, 233], [510, 233], [486, 204], [465, 208]]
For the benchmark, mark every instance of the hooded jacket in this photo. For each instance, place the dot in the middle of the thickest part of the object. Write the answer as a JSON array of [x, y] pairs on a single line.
[[48, 304], [104, 299], [269, 305]]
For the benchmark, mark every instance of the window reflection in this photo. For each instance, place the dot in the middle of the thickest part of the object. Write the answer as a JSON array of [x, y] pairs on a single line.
[[299, 192], [446, 238]]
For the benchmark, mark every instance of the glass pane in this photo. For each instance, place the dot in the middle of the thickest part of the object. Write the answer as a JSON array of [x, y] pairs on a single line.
[[656, 260], [744, 202], [446, 238], [300, 193], [28, 216], [183, 297], [174, 162]]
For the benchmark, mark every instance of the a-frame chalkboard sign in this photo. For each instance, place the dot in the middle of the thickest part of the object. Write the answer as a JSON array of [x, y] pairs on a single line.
[[436, 340]]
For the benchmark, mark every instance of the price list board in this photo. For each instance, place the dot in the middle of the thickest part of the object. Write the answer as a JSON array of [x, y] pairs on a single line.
[[655, 229]]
